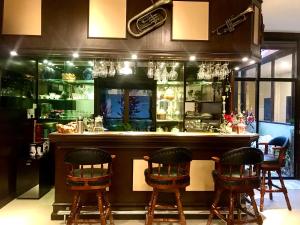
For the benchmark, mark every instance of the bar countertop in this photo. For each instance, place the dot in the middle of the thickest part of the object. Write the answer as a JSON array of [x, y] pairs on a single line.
[[90, 135]]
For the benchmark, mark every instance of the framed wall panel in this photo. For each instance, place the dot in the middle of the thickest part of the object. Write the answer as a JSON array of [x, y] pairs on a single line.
[[200, 173], [22, 17], [107, 19], [190, 20], [256, 26]]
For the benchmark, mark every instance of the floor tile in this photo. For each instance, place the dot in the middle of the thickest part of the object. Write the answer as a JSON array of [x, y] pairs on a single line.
[[37, 212]]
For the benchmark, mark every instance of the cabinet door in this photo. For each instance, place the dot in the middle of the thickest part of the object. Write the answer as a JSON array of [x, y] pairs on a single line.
[[17, 83], [170, 92], [66, 89], [204, 88]]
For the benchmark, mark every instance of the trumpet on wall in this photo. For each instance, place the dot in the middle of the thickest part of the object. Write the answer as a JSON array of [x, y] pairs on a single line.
[[232, 22]]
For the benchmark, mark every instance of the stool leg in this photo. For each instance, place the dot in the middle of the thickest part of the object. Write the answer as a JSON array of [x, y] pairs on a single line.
[[238, 205], [262, 190], [100, 207], [284, 190], [214, 206], [149, 207], [254, 206], [74, 208], [111, 220], [150, 214], [230, 220], [270, 184], [180, 208]]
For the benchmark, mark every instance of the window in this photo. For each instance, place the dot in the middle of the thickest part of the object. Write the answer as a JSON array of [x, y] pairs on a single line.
[[266, 70], [275, 97], [265, 103], [283, 67]]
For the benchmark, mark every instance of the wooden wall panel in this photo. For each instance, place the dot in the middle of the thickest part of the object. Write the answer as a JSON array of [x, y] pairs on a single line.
[[65, 29]]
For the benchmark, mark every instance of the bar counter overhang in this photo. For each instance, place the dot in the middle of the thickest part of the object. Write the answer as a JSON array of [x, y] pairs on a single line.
[[129, 192]]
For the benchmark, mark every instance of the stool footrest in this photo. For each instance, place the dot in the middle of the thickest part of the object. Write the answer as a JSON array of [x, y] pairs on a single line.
[[166, 207], [165, 219]]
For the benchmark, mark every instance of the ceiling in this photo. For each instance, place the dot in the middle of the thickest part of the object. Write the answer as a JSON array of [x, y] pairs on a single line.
[[281, 15]]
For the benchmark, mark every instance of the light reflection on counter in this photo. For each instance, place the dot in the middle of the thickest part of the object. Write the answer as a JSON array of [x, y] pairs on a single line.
[[142, 133]]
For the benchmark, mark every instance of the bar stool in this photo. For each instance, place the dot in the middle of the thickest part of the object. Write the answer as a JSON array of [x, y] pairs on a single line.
[[168, 171], [89, 170], [237, 173], [274, 162]]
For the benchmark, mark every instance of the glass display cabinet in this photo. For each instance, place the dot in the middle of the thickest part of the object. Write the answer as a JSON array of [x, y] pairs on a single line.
[[65, 90], [17, 83], [170, 93], [204, 88]]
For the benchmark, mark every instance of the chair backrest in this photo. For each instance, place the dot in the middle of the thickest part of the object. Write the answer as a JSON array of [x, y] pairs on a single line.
[[280, 144], [169, 163], [242, 156], [88, 167], [87, 156], [171, 155], [280, 141], [240, 163]]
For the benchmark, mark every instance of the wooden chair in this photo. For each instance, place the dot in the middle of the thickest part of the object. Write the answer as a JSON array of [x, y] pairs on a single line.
[[168, 171], [89, 170], [274, 161], [237, 173]]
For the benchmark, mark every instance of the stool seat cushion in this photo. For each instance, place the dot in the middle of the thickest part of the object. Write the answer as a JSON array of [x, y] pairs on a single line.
[[235, 180], [99, 177], [165, 178]]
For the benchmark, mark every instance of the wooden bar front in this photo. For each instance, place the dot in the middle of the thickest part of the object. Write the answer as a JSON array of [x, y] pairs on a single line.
[[129, 146]]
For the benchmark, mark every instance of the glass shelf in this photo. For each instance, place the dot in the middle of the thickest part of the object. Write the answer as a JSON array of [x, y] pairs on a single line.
[[60, 81], [170, 83], [169, 121]]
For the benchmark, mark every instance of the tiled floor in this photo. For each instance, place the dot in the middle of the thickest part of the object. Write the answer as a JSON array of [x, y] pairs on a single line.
[[37, 212]]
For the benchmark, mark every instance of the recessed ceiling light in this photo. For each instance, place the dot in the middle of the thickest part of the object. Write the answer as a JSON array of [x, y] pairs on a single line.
[[252, 62], [236, 68], [13, 53], [75, 55], [192, 58], [45, 61], [134, 56], [245, 59]]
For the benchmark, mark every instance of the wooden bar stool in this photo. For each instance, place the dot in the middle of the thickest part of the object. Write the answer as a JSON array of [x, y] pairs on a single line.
[[237, 173], [89, 170], [168, 171], [274, 162]]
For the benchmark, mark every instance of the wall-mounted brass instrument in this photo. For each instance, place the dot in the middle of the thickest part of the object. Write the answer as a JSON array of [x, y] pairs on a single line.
[[232, 22], [149, 19]]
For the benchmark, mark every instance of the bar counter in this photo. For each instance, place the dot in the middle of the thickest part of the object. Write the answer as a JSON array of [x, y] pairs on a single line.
[[129, 192]]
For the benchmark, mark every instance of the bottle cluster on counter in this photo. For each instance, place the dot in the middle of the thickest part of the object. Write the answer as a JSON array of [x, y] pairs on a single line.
[[81, 125]]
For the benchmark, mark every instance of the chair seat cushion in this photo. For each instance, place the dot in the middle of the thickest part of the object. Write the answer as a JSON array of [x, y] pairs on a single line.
[[270, 159], [164, 178], [235, 181], [99, 177], [270, 162]]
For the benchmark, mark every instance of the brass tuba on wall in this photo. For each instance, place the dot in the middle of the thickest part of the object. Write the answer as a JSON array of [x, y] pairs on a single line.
[[149, 19]]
